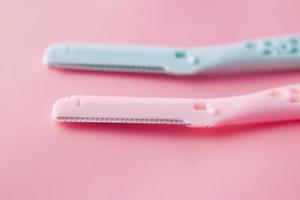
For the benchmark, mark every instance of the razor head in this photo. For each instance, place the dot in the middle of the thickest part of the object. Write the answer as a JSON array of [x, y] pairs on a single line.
[[95, 109], [120, 58], [129, 110]]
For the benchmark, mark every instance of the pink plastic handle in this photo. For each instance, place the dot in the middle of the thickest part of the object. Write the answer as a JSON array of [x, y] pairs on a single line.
[[279, 104]]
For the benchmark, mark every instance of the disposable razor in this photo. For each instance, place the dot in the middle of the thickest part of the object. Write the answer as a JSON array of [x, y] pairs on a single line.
[[274, 105], [268, 54]]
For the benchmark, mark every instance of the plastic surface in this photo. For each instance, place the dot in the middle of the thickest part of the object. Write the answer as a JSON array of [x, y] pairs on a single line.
[[278, 104], [272, 53], [276, 53]]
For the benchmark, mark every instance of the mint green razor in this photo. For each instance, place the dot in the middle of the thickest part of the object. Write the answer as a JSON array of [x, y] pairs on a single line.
[[268, 54]]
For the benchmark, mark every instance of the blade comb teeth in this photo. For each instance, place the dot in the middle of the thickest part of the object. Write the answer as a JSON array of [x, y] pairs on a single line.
[[116, 68], [120, 120]]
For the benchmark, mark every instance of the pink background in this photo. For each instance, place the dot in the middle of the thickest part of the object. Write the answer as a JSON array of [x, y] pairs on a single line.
[[40, 159]]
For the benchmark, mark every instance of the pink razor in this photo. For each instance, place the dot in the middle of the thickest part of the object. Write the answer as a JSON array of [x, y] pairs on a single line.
[[279, 104]]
